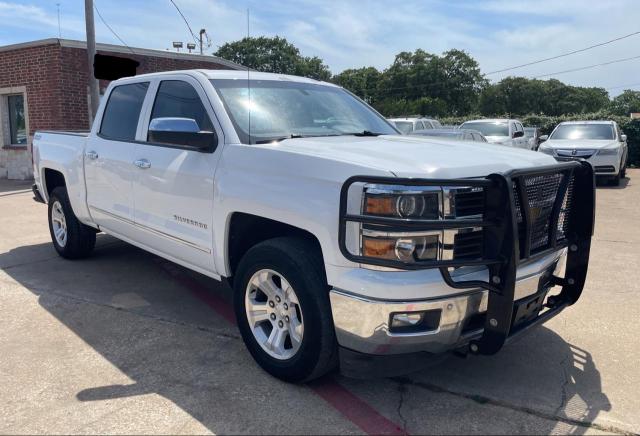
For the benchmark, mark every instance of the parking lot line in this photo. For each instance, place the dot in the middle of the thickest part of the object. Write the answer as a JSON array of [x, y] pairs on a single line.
[[365, 417]]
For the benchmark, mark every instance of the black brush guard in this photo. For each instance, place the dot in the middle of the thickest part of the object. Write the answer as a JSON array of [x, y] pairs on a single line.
[[502, 249]]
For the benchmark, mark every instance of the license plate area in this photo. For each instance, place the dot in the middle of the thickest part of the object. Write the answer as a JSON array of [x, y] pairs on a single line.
[[528, 308]]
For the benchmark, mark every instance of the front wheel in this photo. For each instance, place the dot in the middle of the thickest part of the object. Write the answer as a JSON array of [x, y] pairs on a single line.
[[281, 302]]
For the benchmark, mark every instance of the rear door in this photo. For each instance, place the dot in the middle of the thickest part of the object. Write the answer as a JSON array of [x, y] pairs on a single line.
[[109, 157], [173, 190]]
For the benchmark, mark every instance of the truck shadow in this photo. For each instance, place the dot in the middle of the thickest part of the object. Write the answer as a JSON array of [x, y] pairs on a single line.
[[197, 360]]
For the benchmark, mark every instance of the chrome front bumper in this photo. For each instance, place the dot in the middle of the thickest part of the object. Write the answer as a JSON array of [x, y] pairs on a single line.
[[362, 324]]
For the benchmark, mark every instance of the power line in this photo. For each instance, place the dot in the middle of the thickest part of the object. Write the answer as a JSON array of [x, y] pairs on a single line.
[[564, 54], [193, 35], [112, 31], [588, 67]]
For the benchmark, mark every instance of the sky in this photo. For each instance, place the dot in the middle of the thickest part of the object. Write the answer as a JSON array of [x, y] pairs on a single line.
[[353, 34]]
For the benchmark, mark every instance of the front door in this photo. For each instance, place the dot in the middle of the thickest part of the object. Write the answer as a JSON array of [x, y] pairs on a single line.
[[173, 192], [108, 160]]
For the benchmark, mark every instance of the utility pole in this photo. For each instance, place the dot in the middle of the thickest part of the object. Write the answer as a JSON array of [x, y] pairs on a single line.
[[59, 32], [202, 32], [94, 93]]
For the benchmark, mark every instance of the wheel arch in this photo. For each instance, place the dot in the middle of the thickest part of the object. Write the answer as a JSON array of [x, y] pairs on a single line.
[[245, 230], [52, 179]]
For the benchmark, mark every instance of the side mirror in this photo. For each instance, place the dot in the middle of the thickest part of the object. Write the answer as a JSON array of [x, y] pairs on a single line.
[[518, 134], [184, 132], [544, 138], [623, 138]]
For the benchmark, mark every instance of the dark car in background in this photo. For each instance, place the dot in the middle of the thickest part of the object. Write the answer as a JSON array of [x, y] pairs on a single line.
[[457, 134]]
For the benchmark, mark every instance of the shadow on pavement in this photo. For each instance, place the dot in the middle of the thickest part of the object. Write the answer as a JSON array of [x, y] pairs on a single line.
[[604, 183], [173, 346]]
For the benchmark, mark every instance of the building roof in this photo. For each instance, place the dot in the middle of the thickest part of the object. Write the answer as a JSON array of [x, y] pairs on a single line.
[[122, 49]]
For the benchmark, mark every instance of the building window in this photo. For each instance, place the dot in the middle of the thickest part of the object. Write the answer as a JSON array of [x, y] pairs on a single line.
[[17, 123]]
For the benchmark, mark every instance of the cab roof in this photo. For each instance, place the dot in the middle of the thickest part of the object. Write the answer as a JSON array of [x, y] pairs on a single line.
[[588, 122], [241, 75]]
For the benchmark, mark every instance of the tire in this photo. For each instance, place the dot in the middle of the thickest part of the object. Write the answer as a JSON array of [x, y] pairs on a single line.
[[296, 262], [79, 239], [623, 170]]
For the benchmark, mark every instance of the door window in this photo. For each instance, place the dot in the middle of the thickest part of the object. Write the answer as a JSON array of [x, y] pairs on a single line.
[[178, 99], [120, 119]]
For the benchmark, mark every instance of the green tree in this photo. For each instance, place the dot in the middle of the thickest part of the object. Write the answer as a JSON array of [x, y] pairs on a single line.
[[492, 101], [363, 82], [273, 55], [625, 103], [520, 96], [450, 83]]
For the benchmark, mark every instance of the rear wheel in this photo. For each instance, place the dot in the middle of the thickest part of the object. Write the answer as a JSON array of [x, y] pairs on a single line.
[[71, 238], [281, 302]]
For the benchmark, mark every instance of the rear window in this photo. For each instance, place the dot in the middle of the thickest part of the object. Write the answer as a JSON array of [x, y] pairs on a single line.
[[489, 128], [120, 119], [584, 131], [404, 126]]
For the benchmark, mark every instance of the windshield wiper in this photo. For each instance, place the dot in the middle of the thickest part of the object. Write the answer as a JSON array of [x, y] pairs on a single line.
[[281, 138], [364, 133]]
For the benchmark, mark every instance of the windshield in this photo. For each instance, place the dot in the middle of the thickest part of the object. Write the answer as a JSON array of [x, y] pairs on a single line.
[[488, 128], [280, 110], [404, 126], [583, 131]]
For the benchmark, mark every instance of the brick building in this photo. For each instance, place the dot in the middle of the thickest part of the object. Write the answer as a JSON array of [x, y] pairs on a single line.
[[44, 86]]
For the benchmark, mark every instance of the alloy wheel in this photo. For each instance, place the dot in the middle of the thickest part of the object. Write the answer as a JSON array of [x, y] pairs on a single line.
[[274, 314]]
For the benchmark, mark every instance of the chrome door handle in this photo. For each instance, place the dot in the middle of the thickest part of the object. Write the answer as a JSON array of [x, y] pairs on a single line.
[[142, 163], [92, 155]]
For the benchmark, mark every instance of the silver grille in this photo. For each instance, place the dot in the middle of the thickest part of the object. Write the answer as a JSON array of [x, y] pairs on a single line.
[[583, 153]]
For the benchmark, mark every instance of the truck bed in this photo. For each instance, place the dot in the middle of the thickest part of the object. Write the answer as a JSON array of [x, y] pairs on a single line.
[[83, 133]]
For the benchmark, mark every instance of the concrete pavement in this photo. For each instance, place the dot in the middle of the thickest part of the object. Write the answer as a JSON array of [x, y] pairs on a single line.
[[126, 342]]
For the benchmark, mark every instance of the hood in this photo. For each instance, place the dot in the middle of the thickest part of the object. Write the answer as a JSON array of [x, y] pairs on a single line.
[[497, 139], [579, 143], [415, 156]]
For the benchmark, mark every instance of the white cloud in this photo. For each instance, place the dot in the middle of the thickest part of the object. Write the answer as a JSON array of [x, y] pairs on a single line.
[[19, 15]]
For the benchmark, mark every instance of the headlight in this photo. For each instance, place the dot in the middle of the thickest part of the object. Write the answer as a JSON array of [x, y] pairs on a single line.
[[547, 150], [608, 151], [371, 238], [402, 202]]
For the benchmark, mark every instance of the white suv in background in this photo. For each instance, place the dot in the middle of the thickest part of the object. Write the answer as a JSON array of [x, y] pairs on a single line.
[[500, 131], [601, 143], [408, 125]]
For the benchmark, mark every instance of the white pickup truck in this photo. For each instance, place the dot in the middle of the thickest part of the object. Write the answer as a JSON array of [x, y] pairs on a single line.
[[346, 244]]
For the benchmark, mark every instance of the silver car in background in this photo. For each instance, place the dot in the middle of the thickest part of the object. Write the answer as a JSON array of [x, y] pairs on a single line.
[[601, 143], [411, 124], [500, 131], [457, 134]]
